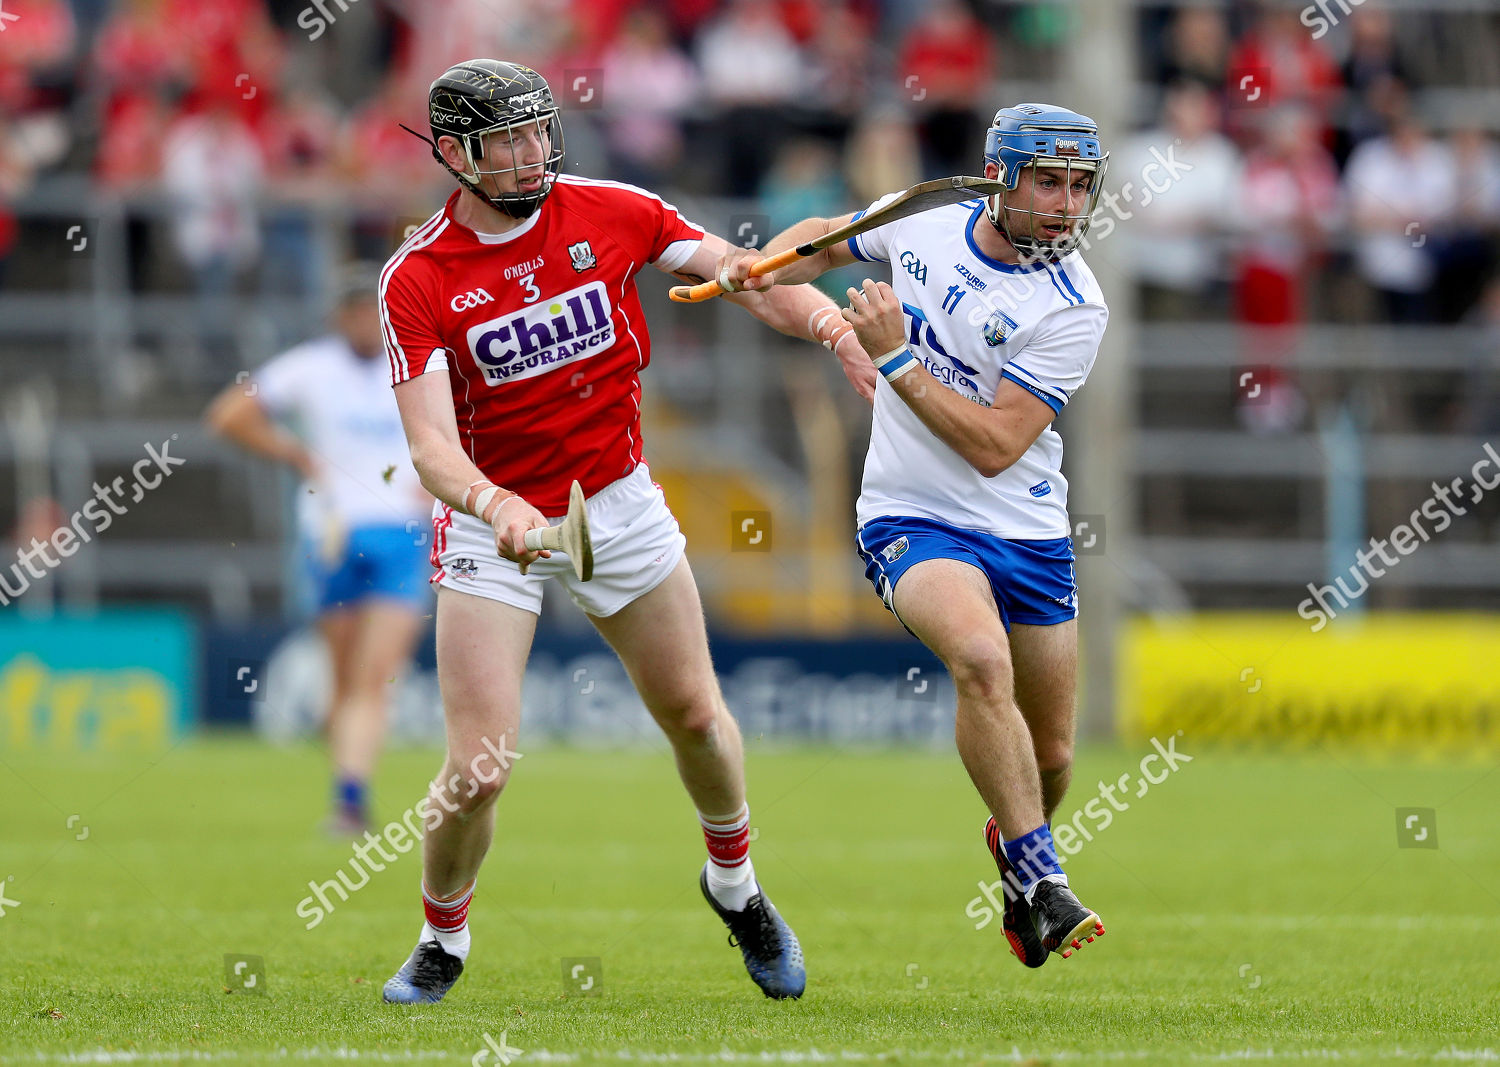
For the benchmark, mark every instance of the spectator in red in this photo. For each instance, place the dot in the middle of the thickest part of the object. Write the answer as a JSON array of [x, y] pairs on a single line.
[[1278, 62], [212, 168], [1288, 207], [385, 160], [233, 46], [15, 178], [34, 53], [179, 46], [38, 41], [945, 66], [138, 54], [842, 62], [143, 69], [389, 169]]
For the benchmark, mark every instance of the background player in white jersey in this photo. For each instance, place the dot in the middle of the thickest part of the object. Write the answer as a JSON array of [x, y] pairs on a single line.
[[516, 339], [991, 323], [357, 513]]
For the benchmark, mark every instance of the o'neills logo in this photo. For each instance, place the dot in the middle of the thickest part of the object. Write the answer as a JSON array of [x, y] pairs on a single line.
[[549, 334]]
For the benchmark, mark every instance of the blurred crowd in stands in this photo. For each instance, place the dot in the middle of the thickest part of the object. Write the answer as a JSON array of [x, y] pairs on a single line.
[[1317, 180]]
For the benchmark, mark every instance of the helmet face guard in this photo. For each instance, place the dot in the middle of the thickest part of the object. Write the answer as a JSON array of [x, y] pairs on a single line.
[[499, 113], [501, 150], [1051, 140]]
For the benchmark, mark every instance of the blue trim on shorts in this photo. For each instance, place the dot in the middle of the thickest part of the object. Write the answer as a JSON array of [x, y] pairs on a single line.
[[383, 562], [1033, 580]]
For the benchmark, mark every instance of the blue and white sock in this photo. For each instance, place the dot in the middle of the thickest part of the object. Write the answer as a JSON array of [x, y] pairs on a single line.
[[1033, 858]]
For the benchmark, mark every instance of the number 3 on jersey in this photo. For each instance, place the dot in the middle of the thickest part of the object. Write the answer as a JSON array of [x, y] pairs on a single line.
[[531, 291]]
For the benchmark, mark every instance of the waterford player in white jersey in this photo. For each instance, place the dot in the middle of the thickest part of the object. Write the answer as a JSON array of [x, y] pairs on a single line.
[[989, 325], [359, 519]]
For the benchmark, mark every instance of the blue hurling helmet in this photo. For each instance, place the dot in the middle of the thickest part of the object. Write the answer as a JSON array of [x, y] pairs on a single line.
[[1047, 136]]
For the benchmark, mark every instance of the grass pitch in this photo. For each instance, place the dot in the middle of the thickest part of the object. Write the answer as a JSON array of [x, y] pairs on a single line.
[[1257, 908]]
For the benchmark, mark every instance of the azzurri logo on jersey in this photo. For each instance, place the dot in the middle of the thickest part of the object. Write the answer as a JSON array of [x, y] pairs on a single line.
[[1040, 489], [998, 328], [549, 334], [973, 280]]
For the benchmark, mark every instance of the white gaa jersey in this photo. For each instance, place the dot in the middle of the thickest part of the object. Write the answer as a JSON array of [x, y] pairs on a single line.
[[343, 409], [972, 321]]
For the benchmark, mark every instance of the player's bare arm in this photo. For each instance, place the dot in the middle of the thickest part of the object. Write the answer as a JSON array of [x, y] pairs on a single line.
[[989, 439], [735, 268], [790, 308], [239, 417], [450, 475]]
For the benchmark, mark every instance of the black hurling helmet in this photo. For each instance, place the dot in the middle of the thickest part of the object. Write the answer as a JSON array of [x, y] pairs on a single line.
[[480, 98]]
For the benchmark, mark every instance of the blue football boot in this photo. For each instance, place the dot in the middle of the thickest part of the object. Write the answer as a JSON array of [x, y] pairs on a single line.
[[772, 954], [425, 977]]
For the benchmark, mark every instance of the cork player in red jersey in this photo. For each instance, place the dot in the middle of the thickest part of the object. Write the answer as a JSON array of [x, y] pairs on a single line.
[[516, 341]]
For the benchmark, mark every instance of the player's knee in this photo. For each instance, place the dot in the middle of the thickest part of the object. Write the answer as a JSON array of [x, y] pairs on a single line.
[[1054, 758], [980, 667], [692, 718], [470, 784]]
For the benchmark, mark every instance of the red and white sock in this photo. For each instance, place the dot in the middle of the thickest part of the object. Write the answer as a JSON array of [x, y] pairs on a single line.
[[448, 920], [731, 875]]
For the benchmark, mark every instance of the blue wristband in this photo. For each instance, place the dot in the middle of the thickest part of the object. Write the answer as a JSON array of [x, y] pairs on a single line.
[[897, 364]]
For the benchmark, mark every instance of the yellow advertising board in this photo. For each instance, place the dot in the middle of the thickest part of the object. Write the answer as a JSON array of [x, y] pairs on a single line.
[[1409, 683]]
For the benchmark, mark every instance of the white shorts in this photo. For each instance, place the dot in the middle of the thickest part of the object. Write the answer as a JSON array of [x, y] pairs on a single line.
[[637, 543]]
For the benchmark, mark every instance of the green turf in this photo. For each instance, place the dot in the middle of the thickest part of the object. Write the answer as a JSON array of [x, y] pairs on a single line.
[[1257, 908]]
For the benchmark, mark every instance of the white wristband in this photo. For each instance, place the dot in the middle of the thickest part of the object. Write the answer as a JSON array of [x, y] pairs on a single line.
[[482, 501], [816, 320], [501, 506]]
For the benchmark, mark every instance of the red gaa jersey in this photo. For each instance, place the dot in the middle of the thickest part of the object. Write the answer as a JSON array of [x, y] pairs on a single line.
[[539, 331]]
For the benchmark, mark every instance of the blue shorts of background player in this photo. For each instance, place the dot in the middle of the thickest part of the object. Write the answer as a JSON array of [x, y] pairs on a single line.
[[376, 562], [1033, 581]]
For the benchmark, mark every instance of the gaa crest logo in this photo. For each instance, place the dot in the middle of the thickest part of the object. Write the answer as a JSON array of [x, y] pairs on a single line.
[[998, 328], [582, 256]]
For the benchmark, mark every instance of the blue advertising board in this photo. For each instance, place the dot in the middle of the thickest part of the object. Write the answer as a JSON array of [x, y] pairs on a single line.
[[118, 678]]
